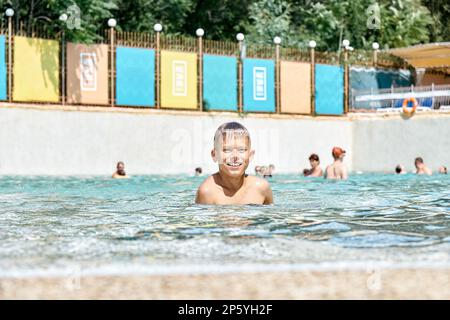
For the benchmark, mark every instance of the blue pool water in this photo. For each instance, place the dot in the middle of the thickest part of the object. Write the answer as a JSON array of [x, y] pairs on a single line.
[[150, 224]]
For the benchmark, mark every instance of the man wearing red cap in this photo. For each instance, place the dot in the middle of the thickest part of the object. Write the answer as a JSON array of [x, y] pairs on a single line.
[[337, 170]]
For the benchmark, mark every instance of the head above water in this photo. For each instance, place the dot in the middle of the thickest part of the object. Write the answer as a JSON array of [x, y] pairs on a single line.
[[198, 170], [398, 169], [443, 170], [120, 168], [232, 149], [338, 153], [314, 160], [418, 162]]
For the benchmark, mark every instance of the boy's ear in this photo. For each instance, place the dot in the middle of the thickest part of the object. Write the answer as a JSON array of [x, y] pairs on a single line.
[[213, 155], [252, 154]]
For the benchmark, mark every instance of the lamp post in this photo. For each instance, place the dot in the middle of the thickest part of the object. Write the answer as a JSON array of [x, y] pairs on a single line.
[[277, 42], [63, 19], [158, 28], [9, 13], [346, 45], [375, 47], [312, 46], [240, 38], [112, 24], [200, 33]]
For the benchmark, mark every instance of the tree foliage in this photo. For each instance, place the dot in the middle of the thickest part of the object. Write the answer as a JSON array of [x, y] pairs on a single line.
[[400, 22]]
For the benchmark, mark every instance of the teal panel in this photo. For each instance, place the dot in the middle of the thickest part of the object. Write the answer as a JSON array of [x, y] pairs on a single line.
[[259, 85], [219, 82], [135, 77], [2, 68], [329, 90]]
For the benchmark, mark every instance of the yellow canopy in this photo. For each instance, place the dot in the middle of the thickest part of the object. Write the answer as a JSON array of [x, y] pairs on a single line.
[[429, 56]]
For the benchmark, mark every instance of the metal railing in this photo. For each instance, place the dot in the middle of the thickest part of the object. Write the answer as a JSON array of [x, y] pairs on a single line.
[[431, 97]]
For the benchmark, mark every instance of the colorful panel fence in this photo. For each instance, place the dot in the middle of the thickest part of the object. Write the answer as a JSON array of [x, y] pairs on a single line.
[[36, 70], [87, 73], [178, 80], [219, 82], [135, 77], [295, 87], [329, 90], [3, 95], [259, 85]]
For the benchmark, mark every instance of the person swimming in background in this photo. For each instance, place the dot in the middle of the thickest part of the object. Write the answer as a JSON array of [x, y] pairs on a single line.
[[198, 171], [120, 172], [231, 185], [337, 170], [421, 168], [316, 170], [258, 171], [268, 171], [443, 170], [399, 169]]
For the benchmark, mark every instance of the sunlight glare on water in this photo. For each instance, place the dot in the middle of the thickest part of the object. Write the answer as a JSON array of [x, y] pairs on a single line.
[[51, 223]]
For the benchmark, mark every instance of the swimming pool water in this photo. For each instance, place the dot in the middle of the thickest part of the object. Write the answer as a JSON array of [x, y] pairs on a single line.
[[150, 224]]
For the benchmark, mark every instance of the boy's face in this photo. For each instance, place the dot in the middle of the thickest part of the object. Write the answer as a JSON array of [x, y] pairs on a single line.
[[233, 154]]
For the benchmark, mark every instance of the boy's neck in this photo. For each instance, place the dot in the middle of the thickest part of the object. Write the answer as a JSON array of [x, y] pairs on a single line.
[[231, 183]]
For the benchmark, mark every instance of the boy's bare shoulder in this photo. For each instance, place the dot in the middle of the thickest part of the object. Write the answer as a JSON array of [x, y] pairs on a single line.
[[207, 185], [260, 183]]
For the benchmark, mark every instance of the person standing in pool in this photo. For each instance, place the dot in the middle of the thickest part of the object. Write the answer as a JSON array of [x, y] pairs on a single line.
[[337, 170], [316, 170], [120, 172], [231, 185], [421, 168], [443, 170]]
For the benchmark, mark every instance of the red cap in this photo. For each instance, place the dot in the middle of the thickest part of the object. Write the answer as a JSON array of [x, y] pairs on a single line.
[[337, 152]]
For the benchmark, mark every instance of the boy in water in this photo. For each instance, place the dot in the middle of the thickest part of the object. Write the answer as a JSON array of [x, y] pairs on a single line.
[[230, 185], [337, 170]]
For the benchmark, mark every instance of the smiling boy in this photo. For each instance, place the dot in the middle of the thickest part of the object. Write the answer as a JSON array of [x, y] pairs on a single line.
[[231, 185]]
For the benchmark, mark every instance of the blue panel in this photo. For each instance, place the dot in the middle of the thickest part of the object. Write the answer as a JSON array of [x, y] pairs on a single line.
[[259, 85], [135, 78], [219, 82], [2, 69], [329, 90]]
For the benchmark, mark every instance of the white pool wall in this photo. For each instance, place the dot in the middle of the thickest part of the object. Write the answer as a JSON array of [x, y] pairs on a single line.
[[83, 141]]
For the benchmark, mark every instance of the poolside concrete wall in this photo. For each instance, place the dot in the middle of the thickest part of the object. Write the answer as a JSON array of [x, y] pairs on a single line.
[[382, 142], [55, 140]]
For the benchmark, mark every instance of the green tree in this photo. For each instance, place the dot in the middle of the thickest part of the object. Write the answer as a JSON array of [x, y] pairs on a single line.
[[222, 20], [270, 18]]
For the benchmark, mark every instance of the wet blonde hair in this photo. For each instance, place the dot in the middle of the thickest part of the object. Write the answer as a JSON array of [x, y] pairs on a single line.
[[230, 129]]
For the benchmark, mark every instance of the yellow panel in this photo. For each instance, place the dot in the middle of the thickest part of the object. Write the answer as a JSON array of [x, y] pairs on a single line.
[[295, 87], [36, 70], [178, 80]]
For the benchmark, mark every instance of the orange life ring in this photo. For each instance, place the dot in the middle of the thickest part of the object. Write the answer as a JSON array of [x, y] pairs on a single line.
[[405, 105]]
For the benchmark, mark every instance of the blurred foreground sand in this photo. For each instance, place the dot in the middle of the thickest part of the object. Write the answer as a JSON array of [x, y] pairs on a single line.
[[422, 283]]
